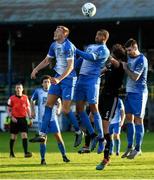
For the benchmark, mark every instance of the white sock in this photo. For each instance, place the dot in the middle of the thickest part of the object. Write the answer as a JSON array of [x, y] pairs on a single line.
[[78, 132], [41, 133]]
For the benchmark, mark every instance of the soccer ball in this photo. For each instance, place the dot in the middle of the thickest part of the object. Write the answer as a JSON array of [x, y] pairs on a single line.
[[89, 9]]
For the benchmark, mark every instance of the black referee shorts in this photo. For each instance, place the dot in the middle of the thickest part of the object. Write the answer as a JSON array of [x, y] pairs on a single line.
[[20, 126]]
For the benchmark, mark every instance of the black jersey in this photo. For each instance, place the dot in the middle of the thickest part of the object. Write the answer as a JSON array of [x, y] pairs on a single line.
[[113, 80]]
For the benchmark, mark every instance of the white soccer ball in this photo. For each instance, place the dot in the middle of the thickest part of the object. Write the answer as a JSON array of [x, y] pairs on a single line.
[[89, 9]]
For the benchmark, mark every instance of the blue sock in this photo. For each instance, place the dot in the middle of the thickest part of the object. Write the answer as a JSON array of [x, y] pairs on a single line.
[[42, 150], [98, 124], [117, 145], [46, 119], [86, 122], [61, 148], [139, 136], [111, 145], [130, 134], [73, 120]]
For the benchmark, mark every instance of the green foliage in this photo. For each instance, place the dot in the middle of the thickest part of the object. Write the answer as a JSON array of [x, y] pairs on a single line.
[[80, 167]]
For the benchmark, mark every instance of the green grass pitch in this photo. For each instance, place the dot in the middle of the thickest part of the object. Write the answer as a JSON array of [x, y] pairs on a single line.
[[80, 167]]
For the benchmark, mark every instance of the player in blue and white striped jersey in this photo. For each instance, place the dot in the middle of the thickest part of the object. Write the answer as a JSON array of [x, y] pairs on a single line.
[[136, 98], [63, 83], [40, 96], [88, 84], [116, 121]]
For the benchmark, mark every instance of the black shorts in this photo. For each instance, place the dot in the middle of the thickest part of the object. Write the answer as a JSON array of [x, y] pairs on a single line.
[[20, 126], [107, 106]]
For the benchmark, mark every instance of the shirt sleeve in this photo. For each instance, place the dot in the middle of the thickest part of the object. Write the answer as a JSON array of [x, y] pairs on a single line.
[[78, 63], [9, 102], [139, 67], [121, 105], [51, 52], [100, 53], [69, 51], [34, 95], [28, 103]]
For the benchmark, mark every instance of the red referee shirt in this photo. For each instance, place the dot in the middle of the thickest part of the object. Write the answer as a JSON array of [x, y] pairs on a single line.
[[19, 106]]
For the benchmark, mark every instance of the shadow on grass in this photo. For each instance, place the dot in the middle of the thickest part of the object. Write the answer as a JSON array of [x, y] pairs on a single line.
[[148, 143]]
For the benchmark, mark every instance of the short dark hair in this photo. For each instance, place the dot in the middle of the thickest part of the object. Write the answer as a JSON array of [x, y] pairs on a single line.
[[130, 42], [18, 84], [45, 77], [119, 52]]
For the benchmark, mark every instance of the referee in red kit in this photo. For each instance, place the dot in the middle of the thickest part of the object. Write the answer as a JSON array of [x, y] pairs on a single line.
[[18, 111]]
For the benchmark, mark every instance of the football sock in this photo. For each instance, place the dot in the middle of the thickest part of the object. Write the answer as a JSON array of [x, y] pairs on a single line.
[[87, 136], [107, 146], [130, 134], [11, 146], [86, 121], [42, 150], [46, 119], [25, 145], [62, 148], [111, 145], [117, 145], [74, 121], [98, 124], [139, 136]]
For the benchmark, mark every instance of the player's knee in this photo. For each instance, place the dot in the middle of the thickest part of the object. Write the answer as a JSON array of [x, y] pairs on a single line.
[[13, 136], [65, 110], [129, 118], [49, 105], [58, 137], [79, 109], [138, 121], [116, 136], [24, 135], [111, 137]]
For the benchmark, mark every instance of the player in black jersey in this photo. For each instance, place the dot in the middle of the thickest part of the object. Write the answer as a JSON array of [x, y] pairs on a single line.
[[113, 74]]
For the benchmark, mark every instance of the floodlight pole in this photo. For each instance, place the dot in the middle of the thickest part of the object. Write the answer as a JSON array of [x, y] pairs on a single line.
[[9, 43]]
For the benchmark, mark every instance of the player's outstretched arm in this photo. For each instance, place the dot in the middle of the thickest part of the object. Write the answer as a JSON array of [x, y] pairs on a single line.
[[42, 65], [85, 55]]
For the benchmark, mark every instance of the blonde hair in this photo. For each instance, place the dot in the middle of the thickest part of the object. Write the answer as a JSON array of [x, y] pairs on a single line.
[[105, 33]]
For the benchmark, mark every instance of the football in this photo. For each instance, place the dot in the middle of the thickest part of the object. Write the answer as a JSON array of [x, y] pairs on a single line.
[[88, 9]]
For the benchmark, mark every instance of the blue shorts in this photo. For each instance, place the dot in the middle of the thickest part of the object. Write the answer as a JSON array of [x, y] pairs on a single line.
[[114, 128], [135, 103], [65, 89], [52, 128], [87, 89]]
